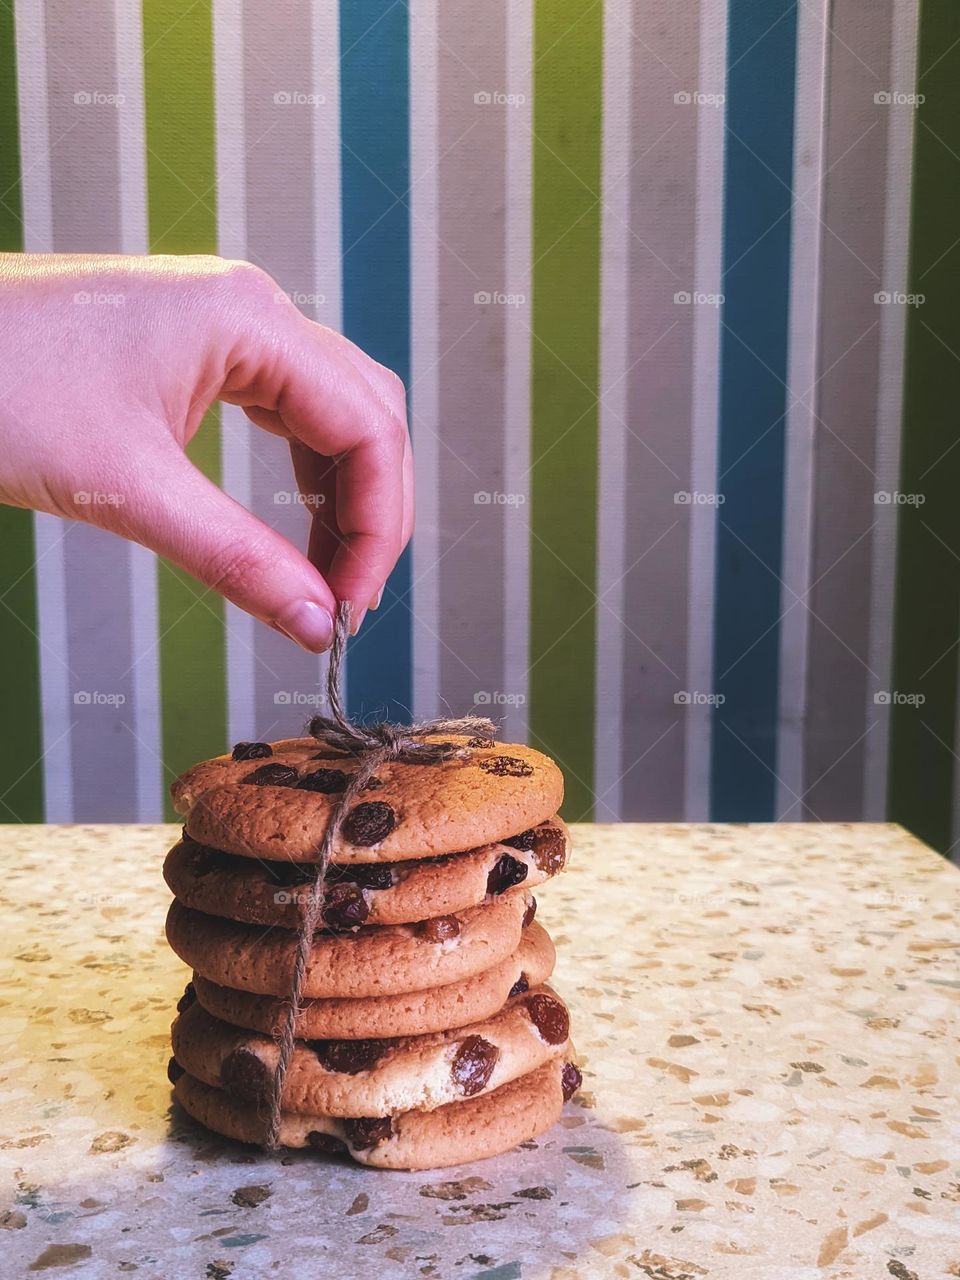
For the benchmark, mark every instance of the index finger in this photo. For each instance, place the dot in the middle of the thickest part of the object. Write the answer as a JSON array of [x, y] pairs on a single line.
[[342, 405]]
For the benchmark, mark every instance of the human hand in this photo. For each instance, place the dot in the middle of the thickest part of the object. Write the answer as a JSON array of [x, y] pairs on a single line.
[[104, 398]]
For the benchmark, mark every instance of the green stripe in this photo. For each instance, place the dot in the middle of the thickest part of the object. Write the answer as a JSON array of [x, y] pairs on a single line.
[[181, 195], [568, 52], [928, 569], [20, 752]]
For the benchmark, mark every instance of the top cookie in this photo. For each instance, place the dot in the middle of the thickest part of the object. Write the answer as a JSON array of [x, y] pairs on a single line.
[[275, 801]]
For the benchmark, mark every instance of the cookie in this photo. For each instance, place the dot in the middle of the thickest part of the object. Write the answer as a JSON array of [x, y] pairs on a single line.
[[369, 962], [454, 1134], [377, 1077], [256, 891], [416, 1013], [278, 807]]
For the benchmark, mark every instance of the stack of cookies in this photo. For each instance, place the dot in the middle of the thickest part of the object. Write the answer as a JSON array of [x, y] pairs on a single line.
[[427, 1034]]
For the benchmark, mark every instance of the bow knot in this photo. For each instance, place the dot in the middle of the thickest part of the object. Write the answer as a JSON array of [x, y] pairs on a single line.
[[408, 743]]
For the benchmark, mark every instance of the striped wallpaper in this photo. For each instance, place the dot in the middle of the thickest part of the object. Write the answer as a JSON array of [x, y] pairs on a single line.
[[676, 305]]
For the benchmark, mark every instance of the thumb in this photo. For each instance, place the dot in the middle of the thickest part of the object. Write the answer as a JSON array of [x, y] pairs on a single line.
[[184, 517]]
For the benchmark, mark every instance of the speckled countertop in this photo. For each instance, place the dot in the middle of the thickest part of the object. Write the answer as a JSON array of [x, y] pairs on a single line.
[[768, 1019]]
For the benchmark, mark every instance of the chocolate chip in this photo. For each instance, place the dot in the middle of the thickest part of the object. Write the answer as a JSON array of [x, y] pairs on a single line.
[[329, 754], [372, 784], [506, 872], [371, 875], [550, 1018], [520, 986], [530, 912], [345, 907], [325, 781], [289, 874], [252, 751], [439, 929], [506, 767], [473, 1064], [570, 1080], [188, 998], [479, 744], [244, 1075], [174, 1071], [348, 1056], [524, 841], [326, 1143], [272, 775], [369, 823], [368, 1131], [549, 850]]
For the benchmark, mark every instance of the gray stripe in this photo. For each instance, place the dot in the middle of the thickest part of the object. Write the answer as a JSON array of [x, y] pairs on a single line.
[[845, 459], [471, 405], [85, 182], [657, 529], [279, 122]]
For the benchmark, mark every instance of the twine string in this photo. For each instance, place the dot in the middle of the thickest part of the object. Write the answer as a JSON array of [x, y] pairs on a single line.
[[372, 745]]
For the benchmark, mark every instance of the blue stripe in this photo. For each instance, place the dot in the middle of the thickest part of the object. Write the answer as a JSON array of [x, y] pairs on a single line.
[[375, 177], [761, 66]]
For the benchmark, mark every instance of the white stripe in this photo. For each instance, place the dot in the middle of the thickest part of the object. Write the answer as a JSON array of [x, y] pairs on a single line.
[[326, 162], [49, 531], [614, 385], [145, 675], [424, 354], [128, 32], [56, 696], [325, 25], [517, 342], [705, 415], [896, 247], [34, 126], [235, 428], [802, 362]]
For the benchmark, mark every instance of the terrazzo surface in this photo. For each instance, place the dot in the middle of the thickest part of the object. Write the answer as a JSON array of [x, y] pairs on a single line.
[[768, 1022]]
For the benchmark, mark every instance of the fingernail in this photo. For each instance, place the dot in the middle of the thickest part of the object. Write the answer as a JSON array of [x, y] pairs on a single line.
[[358, 622], [375, 602], [309, 624]]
